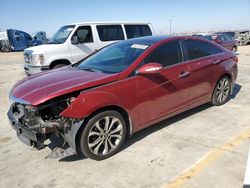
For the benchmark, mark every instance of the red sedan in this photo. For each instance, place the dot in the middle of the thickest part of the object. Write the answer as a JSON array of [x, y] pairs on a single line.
[[121, 89]]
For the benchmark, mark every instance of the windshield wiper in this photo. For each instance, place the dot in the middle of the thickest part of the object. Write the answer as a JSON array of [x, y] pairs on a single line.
[[87, 69]]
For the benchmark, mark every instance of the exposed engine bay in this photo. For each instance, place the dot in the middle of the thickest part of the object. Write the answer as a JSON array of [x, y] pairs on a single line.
[[39, 123]]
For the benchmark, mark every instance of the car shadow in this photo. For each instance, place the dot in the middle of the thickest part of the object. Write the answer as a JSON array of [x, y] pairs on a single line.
[[163, 124], [236, 90], [156, 127], [147, 131]]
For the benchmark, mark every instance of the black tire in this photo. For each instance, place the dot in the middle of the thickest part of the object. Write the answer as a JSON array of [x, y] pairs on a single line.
[[93, 145], [59, 66], [222, 90], [6, 49]]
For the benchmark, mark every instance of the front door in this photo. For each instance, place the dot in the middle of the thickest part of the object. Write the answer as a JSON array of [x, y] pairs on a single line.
[[86, 43], [160, 94]]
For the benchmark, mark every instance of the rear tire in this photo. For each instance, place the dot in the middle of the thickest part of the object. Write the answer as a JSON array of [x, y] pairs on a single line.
[[103, 135], [222, 91]]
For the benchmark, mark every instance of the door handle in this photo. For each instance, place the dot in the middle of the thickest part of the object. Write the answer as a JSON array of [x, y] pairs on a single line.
[[215, 62], [184, 74]]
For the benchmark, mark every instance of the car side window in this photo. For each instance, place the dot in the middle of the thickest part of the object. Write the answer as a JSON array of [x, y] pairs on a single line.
[[84, 34], [222, 37], [215, 50], [167, 54], [134, 31], [228, 37], [110, 32], [197, 49]]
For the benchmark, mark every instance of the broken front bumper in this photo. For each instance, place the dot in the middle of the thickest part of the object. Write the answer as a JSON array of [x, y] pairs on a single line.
[[25, 134], [36, 138]]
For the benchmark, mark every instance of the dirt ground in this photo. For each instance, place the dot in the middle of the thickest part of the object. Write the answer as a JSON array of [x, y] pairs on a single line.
[[191, 143]]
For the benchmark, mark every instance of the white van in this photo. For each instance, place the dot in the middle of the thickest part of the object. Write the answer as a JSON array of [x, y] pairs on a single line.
[[73, 42]]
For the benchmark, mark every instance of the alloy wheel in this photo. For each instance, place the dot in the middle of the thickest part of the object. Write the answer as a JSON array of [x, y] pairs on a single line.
[[105, 135], [222, 90]]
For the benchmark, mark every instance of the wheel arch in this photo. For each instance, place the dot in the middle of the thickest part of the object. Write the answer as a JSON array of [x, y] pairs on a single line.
[[219, 78], [59, 61], [117, 108], [235, 46]]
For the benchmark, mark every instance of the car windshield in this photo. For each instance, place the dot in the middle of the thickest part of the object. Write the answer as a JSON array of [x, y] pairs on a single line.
[[114, 58], [61, 35], [207, 37]]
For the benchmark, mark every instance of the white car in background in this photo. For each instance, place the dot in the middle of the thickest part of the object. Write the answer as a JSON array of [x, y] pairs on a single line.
[[73, 42]]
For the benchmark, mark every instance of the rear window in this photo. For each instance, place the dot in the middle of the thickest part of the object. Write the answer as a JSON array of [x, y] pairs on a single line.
[[110, 32], [134, 31]]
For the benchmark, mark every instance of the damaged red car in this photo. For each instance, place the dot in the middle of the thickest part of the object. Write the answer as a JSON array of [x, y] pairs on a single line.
[[103, 99]]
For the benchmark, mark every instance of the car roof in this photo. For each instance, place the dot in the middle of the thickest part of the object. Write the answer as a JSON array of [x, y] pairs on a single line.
[[150, 40], [109, 22]]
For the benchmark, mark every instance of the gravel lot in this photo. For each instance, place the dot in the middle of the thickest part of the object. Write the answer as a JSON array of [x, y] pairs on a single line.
[[151, 158]]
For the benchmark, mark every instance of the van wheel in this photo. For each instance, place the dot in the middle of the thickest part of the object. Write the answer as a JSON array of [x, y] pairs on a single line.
[[221, 92], [103, 135], [58, 66]]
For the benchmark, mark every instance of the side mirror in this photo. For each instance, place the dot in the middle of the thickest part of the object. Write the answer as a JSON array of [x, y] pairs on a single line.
[[150, 68], [74, 40]]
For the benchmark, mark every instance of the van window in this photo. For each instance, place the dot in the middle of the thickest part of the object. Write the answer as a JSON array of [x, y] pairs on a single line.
[[110, 32], [84, 34], [134, 31], [167, 54]]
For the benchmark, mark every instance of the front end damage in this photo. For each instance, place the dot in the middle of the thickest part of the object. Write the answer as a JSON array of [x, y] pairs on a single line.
[[35, 124]]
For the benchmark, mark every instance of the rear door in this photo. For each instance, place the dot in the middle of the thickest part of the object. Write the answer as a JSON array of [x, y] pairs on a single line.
[[160, 94], [202, 58]]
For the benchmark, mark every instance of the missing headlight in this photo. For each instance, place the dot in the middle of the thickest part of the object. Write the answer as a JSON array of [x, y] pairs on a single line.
[[51, 110]]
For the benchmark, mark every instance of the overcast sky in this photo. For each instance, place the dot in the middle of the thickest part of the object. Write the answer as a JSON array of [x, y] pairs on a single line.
[[186, 15]]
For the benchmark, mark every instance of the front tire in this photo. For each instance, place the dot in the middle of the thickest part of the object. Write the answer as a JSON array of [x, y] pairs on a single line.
[[103, 135], [59, 66], [221, 92]]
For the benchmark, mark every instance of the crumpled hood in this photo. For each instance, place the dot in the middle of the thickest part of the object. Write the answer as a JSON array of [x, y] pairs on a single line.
[[42, 87]]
